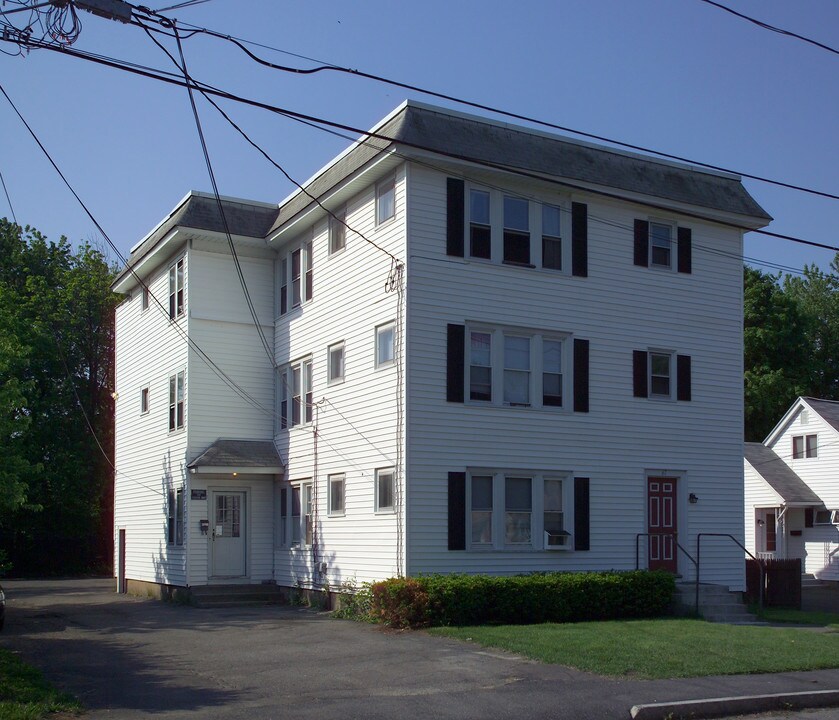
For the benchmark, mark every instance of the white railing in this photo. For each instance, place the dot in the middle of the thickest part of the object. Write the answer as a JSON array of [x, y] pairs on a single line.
[[770, 555]]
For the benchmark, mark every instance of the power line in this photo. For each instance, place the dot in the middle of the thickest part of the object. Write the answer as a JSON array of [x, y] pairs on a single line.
[[773, 28]]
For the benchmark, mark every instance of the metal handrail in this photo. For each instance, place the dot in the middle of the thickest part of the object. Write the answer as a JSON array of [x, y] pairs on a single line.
[[761, 563], [678, 545]]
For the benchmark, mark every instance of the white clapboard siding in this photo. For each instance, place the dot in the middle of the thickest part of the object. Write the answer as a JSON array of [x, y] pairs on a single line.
[[619, 308], [758, 494]]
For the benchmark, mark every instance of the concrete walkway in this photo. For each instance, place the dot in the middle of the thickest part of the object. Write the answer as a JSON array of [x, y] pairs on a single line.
[[128, 658]]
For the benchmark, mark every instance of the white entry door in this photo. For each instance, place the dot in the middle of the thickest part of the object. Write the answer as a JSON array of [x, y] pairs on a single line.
[[227, 533]]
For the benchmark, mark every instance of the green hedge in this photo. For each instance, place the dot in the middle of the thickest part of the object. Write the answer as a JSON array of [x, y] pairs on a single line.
[[521, 599]]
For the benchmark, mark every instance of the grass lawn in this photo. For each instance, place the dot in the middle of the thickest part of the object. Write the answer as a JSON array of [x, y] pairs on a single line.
[[669, 648], [800, 617], [25, 695]]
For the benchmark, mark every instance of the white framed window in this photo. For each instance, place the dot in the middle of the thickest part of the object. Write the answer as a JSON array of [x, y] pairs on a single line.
[[384, 490], [175, 517], [338, 231], [177, 304], [660, 369], [805, 446], [296, 394], [302, 507], [144, 301], [295, 281], [519, 510], [551, 237], [282, 514], [661, 245], [176, 401], [337, 488], [385, 344], [335, 363], [385, 200], [480, 224], [517, 367], [144, 400], [516, 230], [826, 517]]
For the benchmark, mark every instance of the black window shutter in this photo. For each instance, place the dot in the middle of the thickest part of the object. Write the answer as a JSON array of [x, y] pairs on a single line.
[[808, 517], [580, 375], [581, 514], [457, 511], [455, 349], [642, 243], [455, 207], [283, 502], [685, 263], [579, 239], [639, 373], [683, 377]]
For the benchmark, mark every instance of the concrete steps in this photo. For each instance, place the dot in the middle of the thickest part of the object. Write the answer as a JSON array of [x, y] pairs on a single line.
[[224, 596], [716, 604]]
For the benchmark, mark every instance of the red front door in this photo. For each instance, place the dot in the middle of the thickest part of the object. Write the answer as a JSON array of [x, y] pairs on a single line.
[[661, 523]]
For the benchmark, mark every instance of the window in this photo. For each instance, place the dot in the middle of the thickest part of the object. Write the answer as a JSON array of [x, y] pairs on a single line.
[[480, 369], [175, 517], [805, 446], [282, 526], [480, 228], [385, 200], [295, 281], [296, 394], [518, 510], [552, 373], [385, 342], [335, 360], [384, 490], [660, 245], [176, 289], [144, 302], [176, 402], [516, 230], [826, 517], [144, 401], [551, 238], [338, 231], [660, 374], [302, 506], [337, 484], [516, 370]]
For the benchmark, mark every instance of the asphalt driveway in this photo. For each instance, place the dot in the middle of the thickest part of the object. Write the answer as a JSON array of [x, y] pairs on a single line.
[[125, 657]]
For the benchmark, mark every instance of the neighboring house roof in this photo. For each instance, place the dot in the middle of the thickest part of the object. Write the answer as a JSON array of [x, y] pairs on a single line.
[[780, 477], [470, 138], [828, 409], [239, 455]]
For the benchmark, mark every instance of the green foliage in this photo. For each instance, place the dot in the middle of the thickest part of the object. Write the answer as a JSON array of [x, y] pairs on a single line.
[[521, 599], [355, 603], [25, 695], [56, 367]]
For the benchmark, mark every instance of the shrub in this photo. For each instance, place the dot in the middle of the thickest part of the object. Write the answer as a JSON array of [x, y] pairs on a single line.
[[521, 599], [354, 603]]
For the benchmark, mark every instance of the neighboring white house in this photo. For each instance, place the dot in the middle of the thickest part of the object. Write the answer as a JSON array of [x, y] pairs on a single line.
[[484, 348], [791, 489]]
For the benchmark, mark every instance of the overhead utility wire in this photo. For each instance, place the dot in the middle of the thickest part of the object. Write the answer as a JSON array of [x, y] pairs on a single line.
[[506, 113], [312, 119], [773, 28], [206, 359]]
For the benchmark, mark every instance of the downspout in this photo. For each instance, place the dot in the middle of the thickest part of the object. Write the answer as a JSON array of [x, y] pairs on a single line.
[[781, 529]]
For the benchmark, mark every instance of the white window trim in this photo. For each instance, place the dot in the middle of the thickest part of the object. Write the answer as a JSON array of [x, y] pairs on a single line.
[[805, 449], [496, 221], [337, 380], [379, 185], [333, 225], [145, 395], [384, 510], [176, 518], [673, 246], [305, 246], [671, 396], [537, 533], [178, 376], [387, 363], [537, 337], [145, 298], [174, 311], [329, 480], [305, 485], [285, 389]]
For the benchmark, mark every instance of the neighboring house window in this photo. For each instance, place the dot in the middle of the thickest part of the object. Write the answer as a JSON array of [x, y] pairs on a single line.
[[296, 394], [144, 401], [518, 510], [805, 446], [384, 490], [144, 302], [302, 506], [176, 401], [480, 225], [335, 359], [175, 517], [661, 242], [551, 237], [516, 230], [176, 289], [385, 200], [337, 484], [385, 344], [826, 517], [338, 231], [296, 277]]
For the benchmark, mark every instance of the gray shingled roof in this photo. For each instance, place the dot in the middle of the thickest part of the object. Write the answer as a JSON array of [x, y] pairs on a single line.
[[201, 212], [779, 475], [239, 453], [474, 139], [828, 409]]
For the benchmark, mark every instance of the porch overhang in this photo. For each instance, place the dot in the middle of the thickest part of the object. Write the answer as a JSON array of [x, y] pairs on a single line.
[[232, 457]]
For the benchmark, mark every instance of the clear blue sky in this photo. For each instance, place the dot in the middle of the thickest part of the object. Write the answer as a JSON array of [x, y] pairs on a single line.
[[675, 75]]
